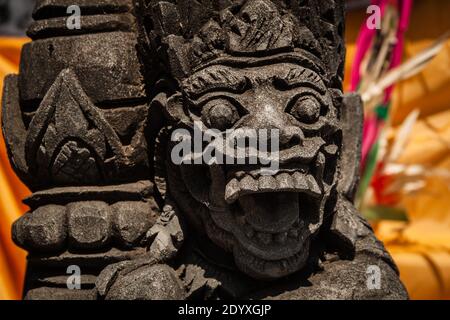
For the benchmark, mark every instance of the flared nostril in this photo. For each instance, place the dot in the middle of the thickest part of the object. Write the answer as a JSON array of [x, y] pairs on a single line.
[[294, 141], [291, 136]]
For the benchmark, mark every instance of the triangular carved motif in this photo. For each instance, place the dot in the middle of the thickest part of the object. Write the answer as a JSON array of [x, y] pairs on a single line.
[[69, 141]]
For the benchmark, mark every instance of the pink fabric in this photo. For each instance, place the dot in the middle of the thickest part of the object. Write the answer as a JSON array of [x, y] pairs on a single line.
[[405, 7], [370, 135], [364, 41]]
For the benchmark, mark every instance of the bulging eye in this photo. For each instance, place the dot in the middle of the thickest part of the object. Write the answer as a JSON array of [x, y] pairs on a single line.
[[306, 110], [220, 114]]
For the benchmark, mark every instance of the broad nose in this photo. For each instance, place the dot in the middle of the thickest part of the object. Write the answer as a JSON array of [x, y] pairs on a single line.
[[269, 117], [290, 136]]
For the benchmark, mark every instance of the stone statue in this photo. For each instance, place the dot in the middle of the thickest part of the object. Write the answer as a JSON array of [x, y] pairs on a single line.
[[89, 125]]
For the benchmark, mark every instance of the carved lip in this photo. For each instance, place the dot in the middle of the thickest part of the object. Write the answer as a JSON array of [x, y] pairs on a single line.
[[271, 252], [270, 269]]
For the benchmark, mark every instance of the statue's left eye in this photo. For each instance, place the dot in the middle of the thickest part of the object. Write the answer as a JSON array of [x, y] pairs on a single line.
[[220, 114], [306, 109]]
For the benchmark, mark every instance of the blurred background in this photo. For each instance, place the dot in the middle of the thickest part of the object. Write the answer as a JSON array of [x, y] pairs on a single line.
[[402, 71]]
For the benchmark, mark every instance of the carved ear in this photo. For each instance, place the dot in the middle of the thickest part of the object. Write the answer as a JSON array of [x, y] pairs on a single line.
[[352, 118], [344, 226]]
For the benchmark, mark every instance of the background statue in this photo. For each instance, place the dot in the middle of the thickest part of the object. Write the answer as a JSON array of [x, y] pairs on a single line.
[[89, 125]]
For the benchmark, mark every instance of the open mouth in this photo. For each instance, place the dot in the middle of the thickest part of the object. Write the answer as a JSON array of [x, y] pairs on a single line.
[[265, 220], [270, 216], [270, 232], [273, 226]]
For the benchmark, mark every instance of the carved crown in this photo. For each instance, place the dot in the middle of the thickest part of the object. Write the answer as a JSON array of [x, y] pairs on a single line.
[[195, 33]]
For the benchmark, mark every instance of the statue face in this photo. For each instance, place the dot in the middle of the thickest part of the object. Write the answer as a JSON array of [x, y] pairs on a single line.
[[266, 221], [259, 65]]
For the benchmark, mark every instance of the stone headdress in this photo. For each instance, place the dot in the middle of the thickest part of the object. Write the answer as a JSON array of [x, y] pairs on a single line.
[[188, 35]]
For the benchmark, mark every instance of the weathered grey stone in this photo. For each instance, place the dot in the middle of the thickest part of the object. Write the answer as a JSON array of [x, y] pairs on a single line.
[[89, 259], [44, 8], [167, 19], [93, 57], [90, 24], [166, 236], [137, 191], [345, 226], [86, 280], [157, 282], [44, 229], [132, 219], [90, 224], [108, 275], [350, 159], [348, 280], [51, 293], [13, 127]]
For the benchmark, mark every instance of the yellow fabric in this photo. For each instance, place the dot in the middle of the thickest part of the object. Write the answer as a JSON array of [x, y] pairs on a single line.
[[421, 248]]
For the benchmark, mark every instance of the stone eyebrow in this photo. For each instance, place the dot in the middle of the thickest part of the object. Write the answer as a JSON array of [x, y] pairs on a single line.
[[216, 78], [300, 76]]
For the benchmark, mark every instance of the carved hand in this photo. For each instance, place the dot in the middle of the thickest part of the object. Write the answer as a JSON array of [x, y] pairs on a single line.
[[166, 236]]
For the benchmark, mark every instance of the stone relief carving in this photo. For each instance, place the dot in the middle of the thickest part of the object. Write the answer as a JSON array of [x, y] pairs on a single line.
[[88, 125]]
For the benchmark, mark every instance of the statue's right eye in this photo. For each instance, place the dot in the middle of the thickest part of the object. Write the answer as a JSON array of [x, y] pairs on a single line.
[[220, 114], [306, 109]]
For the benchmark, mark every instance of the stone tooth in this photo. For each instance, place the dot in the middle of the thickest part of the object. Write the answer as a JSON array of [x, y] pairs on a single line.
[[232, 190], [285, 181], [265, 238], [300, 181], [281, 237], [313, 186], [255, 174], [267, 183], [249, 184], [240, 175]]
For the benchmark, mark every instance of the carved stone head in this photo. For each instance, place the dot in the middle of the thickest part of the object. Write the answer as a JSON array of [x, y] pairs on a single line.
[[255, 64]]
